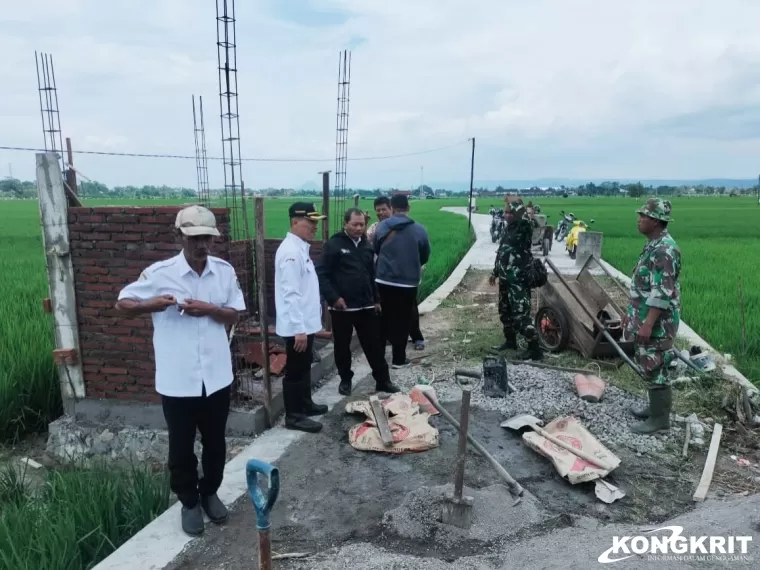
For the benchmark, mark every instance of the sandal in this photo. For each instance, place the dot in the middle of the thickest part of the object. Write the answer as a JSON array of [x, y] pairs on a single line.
[[419, 345]]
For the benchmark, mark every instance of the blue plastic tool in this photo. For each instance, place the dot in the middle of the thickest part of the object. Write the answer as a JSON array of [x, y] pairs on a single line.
[[262, 504]]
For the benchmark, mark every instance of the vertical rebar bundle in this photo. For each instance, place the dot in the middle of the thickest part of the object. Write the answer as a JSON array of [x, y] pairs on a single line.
[[201, 159], [51, 117], [229, 115], [341, 139]]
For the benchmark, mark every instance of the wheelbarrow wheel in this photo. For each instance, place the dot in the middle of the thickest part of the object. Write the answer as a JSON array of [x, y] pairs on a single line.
[[547, 246], [553, 329]]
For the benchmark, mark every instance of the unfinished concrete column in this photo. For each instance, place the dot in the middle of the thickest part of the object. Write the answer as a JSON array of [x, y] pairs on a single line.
[[60, 272], [589, 243]]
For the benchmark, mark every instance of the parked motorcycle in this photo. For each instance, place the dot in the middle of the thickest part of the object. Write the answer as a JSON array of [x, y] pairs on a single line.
[[571, 244], [564, 225]]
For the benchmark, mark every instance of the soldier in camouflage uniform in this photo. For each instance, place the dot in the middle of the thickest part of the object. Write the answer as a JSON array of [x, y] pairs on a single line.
[[654, 312], [513, 260]]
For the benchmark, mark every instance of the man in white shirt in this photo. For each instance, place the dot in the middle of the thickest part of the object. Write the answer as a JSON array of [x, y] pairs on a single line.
[[299, 315], [192, 297]]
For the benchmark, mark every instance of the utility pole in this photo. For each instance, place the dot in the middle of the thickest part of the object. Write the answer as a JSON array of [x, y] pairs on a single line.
[[472, 175], [422, 183]]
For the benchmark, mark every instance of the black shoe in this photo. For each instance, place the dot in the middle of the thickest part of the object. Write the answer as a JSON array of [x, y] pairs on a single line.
[[312, 409], [192, 520], [406, 363], [387, 387], [214, 508], [533, 352], [308, 407], [344, 388], [302, 423]]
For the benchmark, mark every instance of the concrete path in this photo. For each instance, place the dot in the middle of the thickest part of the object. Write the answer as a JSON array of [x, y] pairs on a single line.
[[482, 255]]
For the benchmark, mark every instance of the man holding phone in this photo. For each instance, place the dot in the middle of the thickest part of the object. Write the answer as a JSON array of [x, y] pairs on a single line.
[[192, 297]]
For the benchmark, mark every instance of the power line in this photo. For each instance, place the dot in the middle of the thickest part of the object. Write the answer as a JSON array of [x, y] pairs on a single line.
[[188, 157]]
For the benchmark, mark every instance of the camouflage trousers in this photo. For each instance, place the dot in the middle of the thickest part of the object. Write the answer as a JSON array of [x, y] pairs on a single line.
[[654, 358], [514, 310]]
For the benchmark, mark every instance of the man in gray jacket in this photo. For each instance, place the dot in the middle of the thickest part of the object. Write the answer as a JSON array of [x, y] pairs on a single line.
[[402, 248]]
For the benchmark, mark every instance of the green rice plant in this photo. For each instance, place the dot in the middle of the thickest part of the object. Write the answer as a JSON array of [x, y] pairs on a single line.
[[79, 517]]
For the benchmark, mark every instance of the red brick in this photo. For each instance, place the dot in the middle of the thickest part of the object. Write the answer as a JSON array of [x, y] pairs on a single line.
[[138, 210], [106, 210], [89, 312], [114, 371], [99, 287], [95, 270], [84, 219], [96, 236], [133, 340], [127, 237], [122, 379], [147, 381], [121, 219], [169, 247]]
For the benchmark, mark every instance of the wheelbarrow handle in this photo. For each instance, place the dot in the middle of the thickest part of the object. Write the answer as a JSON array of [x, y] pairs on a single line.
[[262, 503]]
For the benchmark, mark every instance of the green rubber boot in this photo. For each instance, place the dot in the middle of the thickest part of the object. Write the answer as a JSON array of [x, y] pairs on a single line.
[[660, 404], [641, 412]]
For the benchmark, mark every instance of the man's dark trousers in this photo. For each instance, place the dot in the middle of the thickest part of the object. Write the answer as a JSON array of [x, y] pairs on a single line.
[[207, 414], [398, 307], [368, 329], [296, 384]]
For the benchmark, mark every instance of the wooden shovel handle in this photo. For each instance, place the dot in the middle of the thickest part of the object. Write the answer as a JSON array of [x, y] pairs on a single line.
[[580, 453]]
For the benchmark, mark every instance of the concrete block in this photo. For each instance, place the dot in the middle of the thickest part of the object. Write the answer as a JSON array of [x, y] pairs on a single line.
[[589, 243]]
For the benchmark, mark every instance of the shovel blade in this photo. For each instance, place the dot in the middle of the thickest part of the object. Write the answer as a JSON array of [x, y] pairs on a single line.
[[521, 421]]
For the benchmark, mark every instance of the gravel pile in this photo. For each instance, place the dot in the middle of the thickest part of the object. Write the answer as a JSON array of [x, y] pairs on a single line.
[[493, 515], [548, 394]]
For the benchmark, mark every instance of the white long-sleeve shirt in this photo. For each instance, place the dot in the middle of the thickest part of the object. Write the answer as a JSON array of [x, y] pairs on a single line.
[[191, 352], [296, 289]]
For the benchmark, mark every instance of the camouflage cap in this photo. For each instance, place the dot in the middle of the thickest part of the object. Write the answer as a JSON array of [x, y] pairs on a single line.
[[656, 208], [515, 207]]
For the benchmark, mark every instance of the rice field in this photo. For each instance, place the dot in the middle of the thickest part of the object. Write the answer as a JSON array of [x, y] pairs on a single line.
[[720, 245], [29, 395], [75, 517]]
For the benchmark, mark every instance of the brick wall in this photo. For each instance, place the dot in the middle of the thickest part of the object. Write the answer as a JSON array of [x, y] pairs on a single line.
[[110, 246], [270, 249]]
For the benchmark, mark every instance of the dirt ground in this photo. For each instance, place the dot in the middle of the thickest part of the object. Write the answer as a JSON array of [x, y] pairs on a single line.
[[343, 505]]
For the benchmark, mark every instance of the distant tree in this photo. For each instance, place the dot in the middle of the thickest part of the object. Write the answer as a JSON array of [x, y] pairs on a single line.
[[11, 187]]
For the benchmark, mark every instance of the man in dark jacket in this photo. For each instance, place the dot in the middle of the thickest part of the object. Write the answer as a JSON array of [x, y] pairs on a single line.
[[346, 272], [402, 247]]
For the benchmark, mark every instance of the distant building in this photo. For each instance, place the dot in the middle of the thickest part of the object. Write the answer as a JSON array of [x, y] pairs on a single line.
[[406, 193]]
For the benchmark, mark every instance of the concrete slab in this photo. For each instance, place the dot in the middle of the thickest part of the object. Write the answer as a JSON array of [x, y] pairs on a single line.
[[155, 546]]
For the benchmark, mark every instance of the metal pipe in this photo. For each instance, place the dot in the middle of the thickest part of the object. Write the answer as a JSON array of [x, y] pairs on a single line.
[[596, 321], [464, 421]]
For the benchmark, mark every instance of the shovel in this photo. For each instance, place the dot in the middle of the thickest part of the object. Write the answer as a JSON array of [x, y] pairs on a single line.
[[526, 420], [262, 504]]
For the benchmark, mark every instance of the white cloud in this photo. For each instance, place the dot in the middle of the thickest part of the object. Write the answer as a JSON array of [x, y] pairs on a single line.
[[549, 87]]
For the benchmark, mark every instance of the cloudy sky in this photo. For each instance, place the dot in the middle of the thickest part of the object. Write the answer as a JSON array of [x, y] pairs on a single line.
[[549, 88]]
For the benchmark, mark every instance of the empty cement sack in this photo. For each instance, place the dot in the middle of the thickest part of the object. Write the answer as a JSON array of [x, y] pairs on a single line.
[[572, 467], [408, 424]]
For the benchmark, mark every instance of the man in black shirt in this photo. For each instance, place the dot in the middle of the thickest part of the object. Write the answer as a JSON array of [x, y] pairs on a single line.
[[346, 272]]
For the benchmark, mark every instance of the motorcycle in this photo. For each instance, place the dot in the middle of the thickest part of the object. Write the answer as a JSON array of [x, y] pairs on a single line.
[[571, 243], [564, 225], [497, 225]]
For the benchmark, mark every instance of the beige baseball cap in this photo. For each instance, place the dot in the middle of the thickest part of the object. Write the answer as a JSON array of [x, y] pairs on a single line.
[[196, 221]]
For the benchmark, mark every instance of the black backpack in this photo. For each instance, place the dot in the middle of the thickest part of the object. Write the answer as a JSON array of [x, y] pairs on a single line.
[[538, 276]]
